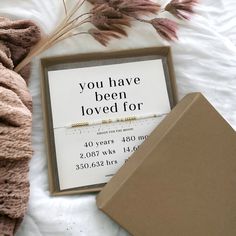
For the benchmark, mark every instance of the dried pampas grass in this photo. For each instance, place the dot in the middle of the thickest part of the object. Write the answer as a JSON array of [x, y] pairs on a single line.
[[109, 19]]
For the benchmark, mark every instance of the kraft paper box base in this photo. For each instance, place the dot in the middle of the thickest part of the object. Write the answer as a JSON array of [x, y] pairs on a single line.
[[182, 180]]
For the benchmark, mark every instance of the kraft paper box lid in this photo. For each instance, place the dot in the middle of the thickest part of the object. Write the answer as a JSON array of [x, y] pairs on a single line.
[[182, 180]]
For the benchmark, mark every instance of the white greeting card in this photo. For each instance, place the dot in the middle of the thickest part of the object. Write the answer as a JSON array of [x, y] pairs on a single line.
[[91, 153]]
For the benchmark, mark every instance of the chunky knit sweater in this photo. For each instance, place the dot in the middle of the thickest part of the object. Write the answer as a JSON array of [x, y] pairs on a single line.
[[16, 39]]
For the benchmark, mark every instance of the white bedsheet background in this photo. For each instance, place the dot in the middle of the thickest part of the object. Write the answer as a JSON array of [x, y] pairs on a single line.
[[204, 60]]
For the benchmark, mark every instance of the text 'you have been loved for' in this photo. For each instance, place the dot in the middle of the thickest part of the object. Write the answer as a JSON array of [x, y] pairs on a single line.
[[110, 96]]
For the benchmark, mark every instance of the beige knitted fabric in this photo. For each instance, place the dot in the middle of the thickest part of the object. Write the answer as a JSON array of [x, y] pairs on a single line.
[[16, 39]]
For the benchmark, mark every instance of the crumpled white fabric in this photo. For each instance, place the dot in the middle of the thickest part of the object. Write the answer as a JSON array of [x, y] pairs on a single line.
[[204, 60]]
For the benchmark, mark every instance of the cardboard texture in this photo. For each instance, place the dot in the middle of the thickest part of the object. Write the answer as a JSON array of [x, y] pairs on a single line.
[[182, 180]]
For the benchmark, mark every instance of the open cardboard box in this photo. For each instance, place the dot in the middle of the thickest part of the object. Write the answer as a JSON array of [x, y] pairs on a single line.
[[88, 60]]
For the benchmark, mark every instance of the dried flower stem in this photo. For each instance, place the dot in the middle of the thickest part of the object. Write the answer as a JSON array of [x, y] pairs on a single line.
[[68, 33], [61, 32], [72, 35], [65, 8]]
